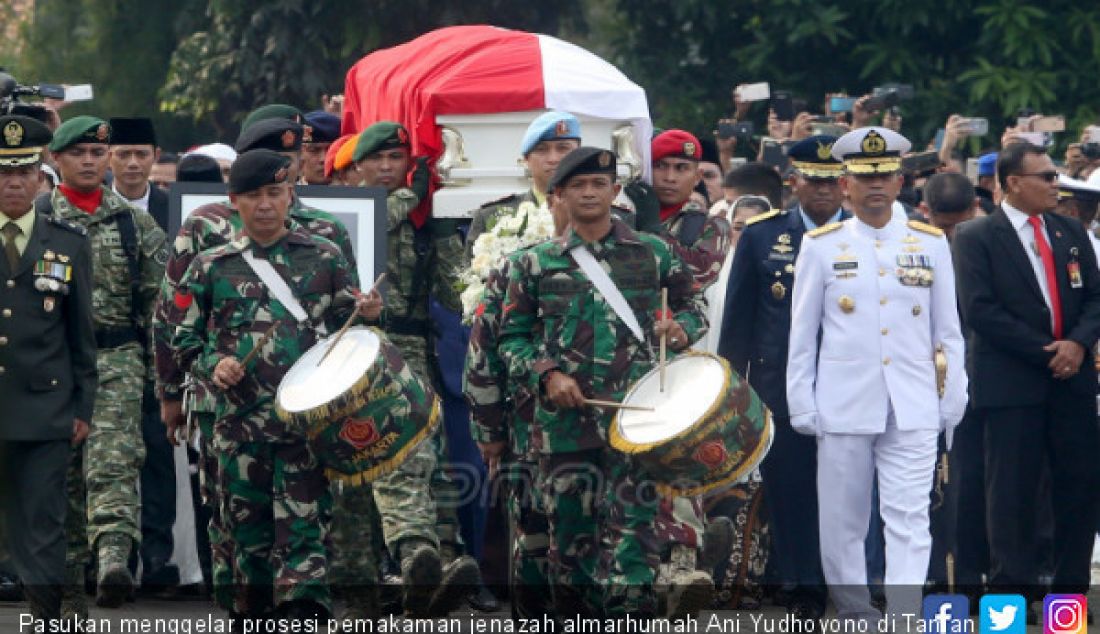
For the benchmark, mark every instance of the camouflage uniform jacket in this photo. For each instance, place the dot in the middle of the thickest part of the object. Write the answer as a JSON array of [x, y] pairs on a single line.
[[112, 295], [553, 319], [207, 227], [221, 308], [417, 264], [706, 255]]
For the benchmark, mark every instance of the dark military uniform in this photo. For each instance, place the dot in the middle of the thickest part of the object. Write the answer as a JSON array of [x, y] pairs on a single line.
[[755, 331], [48, 377]]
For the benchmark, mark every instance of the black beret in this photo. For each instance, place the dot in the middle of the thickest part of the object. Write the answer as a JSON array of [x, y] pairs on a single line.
[[198, 168], [280, 135], [132, 131], [584, 160], [23, 140], [256, 168]]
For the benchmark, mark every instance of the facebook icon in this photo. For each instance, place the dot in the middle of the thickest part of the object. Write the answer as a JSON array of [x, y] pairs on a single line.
[[946, 613]]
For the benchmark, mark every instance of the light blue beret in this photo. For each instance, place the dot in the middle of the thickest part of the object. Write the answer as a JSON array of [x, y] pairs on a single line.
[[549, 126]]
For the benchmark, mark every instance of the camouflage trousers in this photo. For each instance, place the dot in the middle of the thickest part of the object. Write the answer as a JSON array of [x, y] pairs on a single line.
[[603, 547], [115, 451], [530, 540], [221, 547], [419, 500], [356, 538], [275, 507]]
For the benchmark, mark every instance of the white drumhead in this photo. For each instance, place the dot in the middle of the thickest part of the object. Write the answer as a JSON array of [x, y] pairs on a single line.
[[308, 385], [693, 383]]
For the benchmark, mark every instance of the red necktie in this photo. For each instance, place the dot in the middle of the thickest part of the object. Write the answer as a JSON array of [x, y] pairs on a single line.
[[1048, 267]]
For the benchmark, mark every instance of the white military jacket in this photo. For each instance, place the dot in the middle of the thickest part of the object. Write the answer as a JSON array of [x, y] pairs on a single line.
[[882, 300]]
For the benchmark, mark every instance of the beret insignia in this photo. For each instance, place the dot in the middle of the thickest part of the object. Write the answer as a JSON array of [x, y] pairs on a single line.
[[689, 148], [13, 134], [288, 139], [402, 136], [604, 159], [561, 128], [101, 132], [307, 134], [280, 175]]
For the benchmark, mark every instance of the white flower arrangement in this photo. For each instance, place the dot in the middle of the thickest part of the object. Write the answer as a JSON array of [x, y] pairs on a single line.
[[527, 225]]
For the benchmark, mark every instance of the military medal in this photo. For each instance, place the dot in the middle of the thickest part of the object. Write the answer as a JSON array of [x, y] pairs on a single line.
[[48, 303], [916, 310], [49, 256], [789, 268], [846, 303], [910, 239], [1074, 269], [778, 290]]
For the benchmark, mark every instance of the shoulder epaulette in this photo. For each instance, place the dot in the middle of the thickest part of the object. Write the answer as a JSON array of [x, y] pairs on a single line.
[[762, 217], [924, 227], [823, 229], [500, 200], [65, 224]]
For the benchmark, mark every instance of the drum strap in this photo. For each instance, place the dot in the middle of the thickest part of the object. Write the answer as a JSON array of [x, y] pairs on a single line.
[[604, 284], [276, 284]]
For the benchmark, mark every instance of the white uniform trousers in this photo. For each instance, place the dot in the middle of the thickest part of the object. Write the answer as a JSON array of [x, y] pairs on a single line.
[[846, 465]]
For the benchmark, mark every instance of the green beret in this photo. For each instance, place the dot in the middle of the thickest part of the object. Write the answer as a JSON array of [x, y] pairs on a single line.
[[380, 136], [280, 135], [22, 141], [584, 160], [256, 168], [272, 111], [82, 129]]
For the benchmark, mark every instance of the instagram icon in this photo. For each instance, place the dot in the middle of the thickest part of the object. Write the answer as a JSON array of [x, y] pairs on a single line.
[[1064, 614]]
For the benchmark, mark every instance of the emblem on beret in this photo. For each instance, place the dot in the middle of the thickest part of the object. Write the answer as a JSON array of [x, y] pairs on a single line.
[[689, 149], [13, 133], [824, 151], [604, 159], [873, 144], [280, 175], [288, 139], [101, 132], [307, 134], [561, 128], [402, 136]]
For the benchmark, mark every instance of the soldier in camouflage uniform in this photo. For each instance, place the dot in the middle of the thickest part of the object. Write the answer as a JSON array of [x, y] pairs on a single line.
[[423, 257], [207, 227], [273, 495], [698, 238], [126, 285], [564, 344]]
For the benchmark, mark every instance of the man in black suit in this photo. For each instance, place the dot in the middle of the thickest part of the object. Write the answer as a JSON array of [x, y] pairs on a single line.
[[134, 151], [47, 364], [1029, 291]]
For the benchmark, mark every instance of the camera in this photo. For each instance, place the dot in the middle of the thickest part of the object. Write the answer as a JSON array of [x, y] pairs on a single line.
[[1091, 150], [11, 91], [888, 96]]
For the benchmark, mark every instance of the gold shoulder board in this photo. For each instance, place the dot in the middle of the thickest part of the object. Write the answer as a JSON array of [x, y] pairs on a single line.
[[764, 216], [924, 227], [822, 230]]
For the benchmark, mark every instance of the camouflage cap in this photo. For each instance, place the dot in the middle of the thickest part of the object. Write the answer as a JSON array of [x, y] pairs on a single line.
[[82, 129], [584, 160], [279, 135], [23, 140], [272, 111], [256, 168], [380, 136]]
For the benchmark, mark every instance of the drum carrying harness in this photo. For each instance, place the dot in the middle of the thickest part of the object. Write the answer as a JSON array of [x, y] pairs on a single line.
[[278, 287], [604, 284]]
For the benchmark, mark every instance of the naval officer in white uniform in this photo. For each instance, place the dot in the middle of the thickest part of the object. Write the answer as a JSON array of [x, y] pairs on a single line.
[[880, 290]]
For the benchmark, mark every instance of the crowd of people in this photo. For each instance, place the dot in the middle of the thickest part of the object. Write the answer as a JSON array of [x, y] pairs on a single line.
[[922, 337]]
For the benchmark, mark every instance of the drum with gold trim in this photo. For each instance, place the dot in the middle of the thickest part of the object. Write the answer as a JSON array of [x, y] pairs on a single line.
[[363, 408], [707, 431]]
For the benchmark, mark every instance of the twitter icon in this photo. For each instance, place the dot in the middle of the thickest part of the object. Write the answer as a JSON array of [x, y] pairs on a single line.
[[1002, 614]]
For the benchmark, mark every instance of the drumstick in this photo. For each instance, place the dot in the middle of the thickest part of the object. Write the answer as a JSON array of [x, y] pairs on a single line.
[[268, 334], [349, 322], [634, 408], [664, 334]]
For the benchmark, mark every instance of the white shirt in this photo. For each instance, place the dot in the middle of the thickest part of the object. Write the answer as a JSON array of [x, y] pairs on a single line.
[[1026, 234], [141, 203], [811, 225], [1094, 239]]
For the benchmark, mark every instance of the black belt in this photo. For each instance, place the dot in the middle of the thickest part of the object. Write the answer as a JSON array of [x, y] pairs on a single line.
[[115, 337], [408, 327]]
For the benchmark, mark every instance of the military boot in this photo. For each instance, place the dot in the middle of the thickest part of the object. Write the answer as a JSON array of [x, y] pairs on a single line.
[[421, 574], [689, 590], [460, 578], [114, 583], [74, 601]]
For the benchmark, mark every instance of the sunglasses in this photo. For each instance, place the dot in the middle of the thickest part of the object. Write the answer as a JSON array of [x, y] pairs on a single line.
[[1049, 177]]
